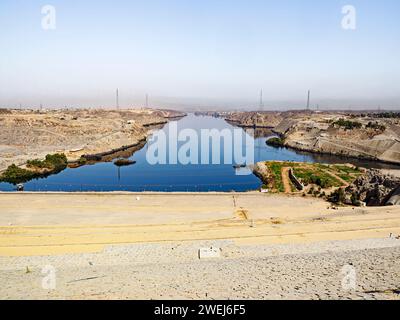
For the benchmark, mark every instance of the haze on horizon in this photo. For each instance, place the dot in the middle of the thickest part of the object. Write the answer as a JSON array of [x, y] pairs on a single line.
[[200, 54]]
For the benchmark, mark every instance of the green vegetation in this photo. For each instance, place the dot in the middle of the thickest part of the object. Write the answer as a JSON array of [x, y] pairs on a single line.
[[82, 161], [385, 115], [276, 171], [376, 126], [338, 196], [276, 142], [317, 176], [347, 173], [347, 124], [16, 175], [52, 164]]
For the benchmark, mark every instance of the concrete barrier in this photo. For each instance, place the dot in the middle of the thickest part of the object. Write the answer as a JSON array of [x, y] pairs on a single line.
[[299, 186]]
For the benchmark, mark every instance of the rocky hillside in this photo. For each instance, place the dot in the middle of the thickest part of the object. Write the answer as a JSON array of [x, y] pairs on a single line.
[[361, 137]]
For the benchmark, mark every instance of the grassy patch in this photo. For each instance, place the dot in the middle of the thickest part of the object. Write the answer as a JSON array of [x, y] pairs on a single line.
[[275, 169], [347, 173], [317, 176]]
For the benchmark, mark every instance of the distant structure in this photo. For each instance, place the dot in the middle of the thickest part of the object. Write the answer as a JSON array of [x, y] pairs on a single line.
[[308, 100], [117, 99], [147, 100], [261, 101]]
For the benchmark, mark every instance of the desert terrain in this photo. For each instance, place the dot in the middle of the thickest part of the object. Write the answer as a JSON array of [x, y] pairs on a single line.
[[146, 246], [32, 134], [372, 136]]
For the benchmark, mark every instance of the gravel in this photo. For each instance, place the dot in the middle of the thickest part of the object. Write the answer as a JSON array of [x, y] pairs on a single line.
[[173, 271]]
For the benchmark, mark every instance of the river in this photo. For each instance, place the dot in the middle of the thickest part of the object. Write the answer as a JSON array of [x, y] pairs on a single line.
[[143, 176]]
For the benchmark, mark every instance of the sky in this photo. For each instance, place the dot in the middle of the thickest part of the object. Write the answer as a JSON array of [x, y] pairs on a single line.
[[205, 53]]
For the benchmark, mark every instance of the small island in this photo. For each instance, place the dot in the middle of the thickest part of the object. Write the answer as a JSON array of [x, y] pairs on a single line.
[[124, 162]]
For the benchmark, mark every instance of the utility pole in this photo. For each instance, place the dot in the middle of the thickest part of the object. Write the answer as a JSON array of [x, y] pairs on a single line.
[[261, 101], [117, 99]]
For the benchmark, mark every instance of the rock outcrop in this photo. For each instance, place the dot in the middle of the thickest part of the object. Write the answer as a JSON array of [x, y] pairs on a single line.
[[374, 139], [375, 189]]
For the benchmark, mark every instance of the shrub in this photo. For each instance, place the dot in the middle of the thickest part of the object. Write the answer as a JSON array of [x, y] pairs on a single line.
[[347, 124], [53, 162], [376, 126], [16, 175], [337, 196]]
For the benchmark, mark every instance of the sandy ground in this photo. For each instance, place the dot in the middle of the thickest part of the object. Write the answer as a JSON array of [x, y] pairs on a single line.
[[146, 246]]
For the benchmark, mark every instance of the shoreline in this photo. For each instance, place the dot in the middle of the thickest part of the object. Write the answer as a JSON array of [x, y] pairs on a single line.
[[344, 157]]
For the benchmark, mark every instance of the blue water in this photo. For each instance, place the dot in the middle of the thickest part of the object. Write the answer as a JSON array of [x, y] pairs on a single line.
[[145, 177]]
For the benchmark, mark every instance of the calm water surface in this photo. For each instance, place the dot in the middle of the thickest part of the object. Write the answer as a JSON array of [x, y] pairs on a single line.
[[145, 177]]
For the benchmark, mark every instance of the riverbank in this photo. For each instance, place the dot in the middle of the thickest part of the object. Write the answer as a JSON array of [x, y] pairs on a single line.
[[145, 246], [28, 134], [357, 135]]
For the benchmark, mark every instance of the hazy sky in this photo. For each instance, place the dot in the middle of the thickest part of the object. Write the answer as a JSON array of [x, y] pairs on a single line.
[[208, 52]]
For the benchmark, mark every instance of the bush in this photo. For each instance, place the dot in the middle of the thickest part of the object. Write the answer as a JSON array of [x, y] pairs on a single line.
[[376, 126], [82, 161], [337, 196], [53, 163], [347, 124], [16, 175]]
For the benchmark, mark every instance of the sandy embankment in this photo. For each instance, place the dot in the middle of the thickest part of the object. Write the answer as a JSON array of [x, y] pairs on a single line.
[[145, 246], [62, 223]]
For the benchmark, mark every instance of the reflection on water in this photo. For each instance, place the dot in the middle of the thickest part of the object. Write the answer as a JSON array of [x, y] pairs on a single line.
[[142, 176]]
